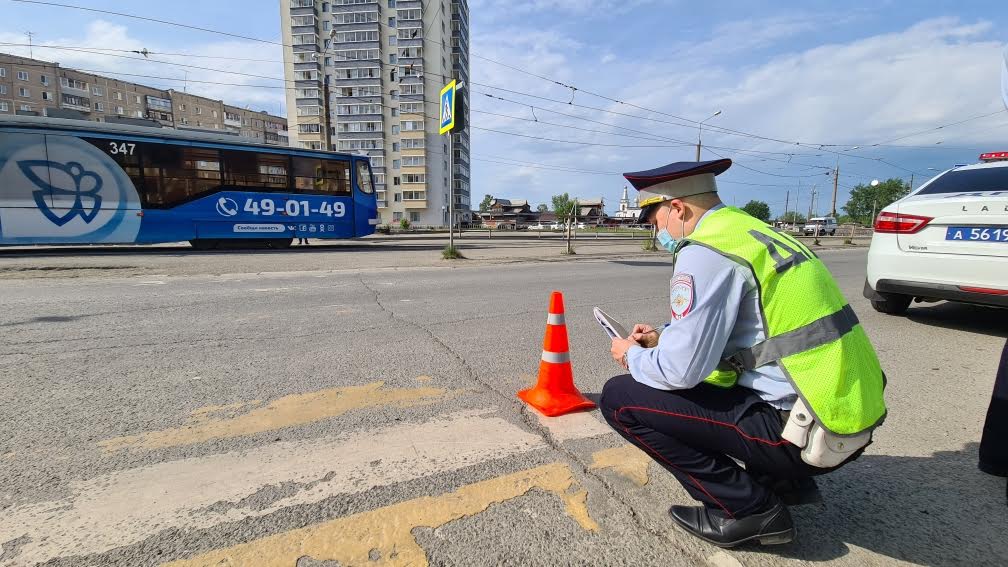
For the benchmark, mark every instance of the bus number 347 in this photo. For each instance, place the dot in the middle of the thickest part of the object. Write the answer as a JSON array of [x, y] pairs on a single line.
[[292, 208]]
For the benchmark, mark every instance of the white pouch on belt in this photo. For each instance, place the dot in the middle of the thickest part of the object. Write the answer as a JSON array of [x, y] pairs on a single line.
[[820, 447]]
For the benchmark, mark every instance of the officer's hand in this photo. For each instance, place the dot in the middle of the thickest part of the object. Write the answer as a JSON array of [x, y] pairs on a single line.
[[646, 340], [619, 349], [641, 328]]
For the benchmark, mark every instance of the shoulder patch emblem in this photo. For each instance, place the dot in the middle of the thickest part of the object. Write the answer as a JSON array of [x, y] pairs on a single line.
[[682, 295]]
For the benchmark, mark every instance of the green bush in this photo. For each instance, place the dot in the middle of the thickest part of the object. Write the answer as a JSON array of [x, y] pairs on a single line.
[[404, 224], [452, 253]]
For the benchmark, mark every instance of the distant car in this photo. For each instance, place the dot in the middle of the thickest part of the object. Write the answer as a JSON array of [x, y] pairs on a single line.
[[580, 226], [557, 226], [539, 226], [820, 226], [948, 240]]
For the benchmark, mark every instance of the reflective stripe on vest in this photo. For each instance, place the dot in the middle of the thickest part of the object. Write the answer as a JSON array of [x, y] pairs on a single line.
[[819, 332]]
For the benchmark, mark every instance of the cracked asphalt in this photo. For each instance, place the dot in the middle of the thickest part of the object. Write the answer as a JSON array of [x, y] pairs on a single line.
[[331, 408]]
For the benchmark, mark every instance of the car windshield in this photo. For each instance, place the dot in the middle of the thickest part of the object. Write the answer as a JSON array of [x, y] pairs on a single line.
[[969, 181]]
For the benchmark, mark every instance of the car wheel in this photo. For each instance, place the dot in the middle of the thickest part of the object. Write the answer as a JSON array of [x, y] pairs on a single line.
[[892, 303]]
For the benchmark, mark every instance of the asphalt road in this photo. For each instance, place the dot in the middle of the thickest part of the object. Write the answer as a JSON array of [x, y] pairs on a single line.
[[314, 408]]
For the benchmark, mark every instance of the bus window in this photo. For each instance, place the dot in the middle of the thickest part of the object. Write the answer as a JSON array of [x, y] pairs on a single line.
[[321, 176], [252, 169], [364, 177], [176, 174], [125, 154]]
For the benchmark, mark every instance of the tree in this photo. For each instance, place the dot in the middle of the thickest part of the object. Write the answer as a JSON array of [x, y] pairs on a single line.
[[542, 208], [562, 205], [792, 217], [865, 198], [485, 203], [758, 209]]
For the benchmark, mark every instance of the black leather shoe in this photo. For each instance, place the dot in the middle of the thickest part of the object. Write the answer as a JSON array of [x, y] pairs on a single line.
[[771, 527], [793, 492]]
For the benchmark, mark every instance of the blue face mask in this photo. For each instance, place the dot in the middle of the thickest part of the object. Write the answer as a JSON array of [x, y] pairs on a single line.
[[666, 241]]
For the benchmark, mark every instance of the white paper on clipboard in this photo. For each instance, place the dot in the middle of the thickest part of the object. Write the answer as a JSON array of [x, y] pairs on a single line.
[[612, 327]]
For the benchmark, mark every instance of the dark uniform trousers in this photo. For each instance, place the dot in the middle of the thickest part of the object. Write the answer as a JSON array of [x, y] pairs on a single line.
[[696, 433], [994, 443]]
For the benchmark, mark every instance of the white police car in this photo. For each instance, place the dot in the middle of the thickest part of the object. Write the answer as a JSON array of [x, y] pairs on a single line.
[[948, 240]]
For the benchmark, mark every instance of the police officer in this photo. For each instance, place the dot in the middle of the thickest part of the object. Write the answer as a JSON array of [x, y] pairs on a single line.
[[993, 448], [758, 328]]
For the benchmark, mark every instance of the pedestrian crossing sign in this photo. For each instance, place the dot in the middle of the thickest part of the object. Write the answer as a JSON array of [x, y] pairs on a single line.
[[447, 115]]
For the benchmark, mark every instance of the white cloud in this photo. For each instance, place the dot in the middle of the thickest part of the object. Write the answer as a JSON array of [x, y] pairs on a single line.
[[866, 90], [104, 35]]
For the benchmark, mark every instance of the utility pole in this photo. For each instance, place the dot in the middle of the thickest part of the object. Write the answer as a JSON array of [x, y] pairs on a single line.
[[797, 202], [787, 202], [31, 53], [911, 180], [836, 181], [811, 203], [874, 203], [328, 118], [700, 131]]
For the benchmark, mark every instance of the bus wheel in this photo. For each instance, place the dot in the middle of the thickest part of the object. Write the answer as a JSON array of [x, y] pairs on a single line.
[[279, 243], [203, 244]]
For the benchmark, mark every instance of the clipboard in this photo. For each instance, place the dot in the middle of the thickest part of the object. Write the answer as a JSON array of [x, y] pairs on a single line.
[[612, 327]]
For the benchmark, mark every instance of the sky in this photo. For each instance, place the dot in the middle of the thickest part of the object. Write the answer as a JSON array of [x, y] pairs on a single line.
[[884, 88]]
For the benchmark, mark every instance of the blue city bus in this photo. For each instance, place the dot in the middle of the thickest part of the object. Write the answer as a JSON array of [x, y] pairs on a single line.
[[80, 182]]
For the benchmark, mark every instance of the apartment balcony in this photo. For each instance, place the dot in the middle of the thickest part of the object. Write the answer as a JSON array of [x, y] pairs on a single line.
[[415, 204], [80, 107]]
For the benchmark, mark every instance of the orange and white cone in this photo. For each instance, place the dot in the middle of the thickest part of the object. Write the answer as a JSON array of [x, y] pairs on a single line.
[[555, 393]]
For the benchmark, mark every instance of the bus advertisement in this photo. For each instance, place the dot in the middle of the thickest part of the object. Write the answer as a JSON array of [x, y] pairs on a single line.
[[77, 182]]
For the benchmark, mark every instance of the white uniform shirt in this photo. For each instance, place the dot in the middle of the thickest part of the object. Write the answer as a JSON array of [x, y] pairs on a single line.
[[724, 317]]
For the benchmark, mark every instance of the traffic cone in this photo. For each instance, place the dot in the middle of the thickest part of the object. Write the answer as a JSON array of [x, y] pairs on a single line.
[[555, 393]]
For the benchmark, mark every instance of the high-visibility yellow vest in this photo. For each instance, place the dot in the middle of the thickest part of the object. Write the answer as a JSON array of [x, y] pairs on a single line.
[[811, 332]]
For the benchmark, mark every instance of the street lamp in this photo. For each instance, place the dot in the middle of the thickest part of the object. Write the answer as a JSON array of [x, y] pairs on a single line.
[[700, 131]]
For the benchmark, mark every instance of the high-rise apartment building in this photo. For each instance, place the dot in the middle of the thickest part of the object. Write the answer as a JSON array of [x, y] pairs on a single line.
[[384, 63]]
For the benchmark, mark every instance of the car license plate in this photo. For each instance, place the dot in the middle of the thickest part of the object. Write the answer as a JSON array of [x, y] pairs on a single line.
[[977, 233]]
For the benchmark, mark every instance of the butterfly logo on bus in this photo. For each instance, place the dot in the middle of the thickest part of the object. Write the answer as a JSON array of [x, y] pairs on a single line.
[[87, 201]]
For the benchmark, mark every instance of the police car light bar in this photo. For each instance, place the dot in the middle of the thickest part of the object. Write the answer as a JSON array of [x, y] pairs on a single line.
[[994, 156]]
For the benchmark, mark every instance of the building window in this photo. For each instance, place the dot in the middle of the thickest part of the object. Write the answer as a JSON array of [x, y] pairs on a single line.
[[99, 106], [119, 110], [97, 91], [391, 22], [199, 110], [139, 114], [395, 181], [392, 41], [414, 216], [45, 80], [181, 108], [394, 94], [22, 76], [397, 197], [392, 59], [26, 108], [3, 107], [46, 95], [395, 146], [215, 114], [397, 216], [395, 164], [23, 92], [137, 98], [325, 7], [395, 129], [3, 72], [391, 3], [325, 25], [3, 89]]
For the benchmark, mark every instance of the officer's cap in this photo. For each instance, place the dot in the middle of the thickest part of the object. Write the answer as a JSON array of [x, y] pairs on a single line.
[[674, 181]]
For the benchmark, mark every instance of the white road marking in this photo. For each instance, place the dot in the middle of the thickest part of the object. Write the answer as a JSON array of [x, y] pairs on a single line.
[[579, 425], [129, 506]]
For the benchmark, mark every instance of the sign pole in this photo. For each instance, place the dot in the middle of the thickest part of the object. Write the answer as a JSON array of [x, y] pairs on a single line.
[[446, 124], [451, 191]]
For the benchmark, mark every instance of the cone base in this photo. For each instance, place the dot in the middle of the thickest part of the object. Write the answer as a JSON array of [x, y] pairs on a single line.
[[552, 404]]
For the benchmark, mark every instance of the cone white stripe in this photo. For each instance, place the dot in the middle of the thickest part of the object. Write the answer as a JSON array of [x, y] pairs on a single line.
[[555, 319], [555, 357]]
